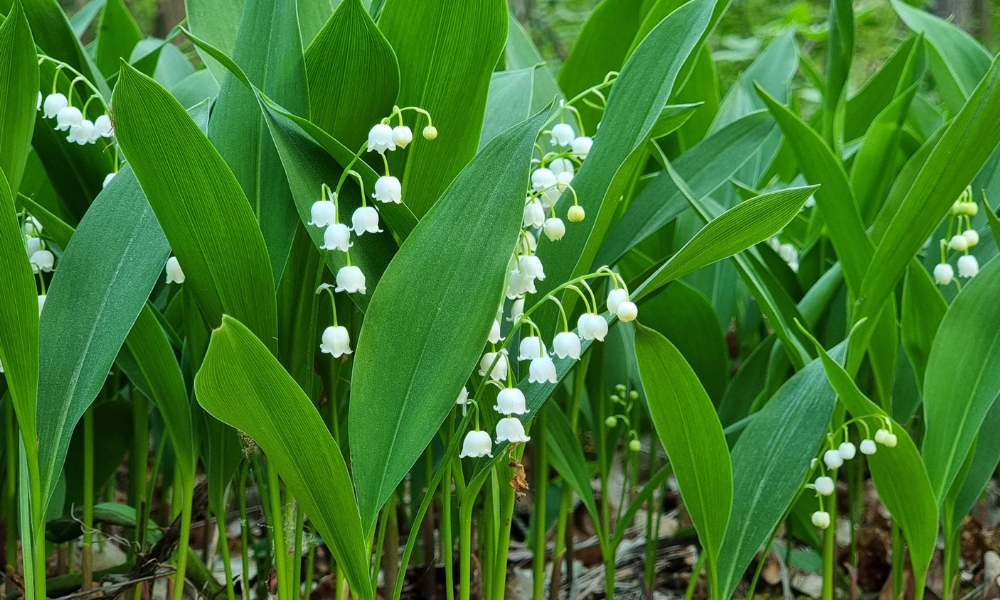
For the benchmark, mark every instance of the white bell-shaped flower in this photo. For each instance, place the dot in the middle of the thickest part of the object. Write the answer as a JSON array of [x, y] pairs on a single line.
[[562, 134], [463, 397], [847, 450], [53, 104], [337, 237], [42, 260], [833, 459], [968, 266], [510, 401], [511, 430], [476, 445], [615, 298], [563, 180], [868, 447], [824, 486], [380, 139], [499, 370], [174, 272], [821, 519], [365, 219], [107, 179], [518, 285], [33, 244], [494, 337], [959, 243], [336, 341], [592, 327], [323, 213], [567, 345], [531, 347], [388, 189], [554, 228], [516, 310], [971, 237], [628, 311], [531, 268], [881, 435], [576, 214], [350, 279], [67, 117], [41, 303], [542, 370], [82, 134], [890, 440], [103, 126], [32, 226], [943, 274], [560, 166], [542, 178], [534, 214], [581, 146], [402, 135]]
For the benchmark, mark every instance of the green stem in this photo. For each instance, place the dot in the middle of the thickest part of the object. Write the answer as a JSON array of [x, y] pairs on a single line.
[[503, 543], [310, 568], [10, 489], [540, 510], [898, 562], [952, 551], [220, 521], [830, 548], [465, 537], [88, 499], [277, 530], [187, 508], [241, 500], [297, 553]]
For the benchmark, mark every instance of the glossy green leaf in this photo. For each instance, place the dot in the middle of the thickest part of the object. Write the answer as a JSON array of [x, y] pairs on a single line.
[[117, 36], [690, 432], [770, 463], [447, 52], [199, 203], [902, 69], [313, 15], [55, 228], [566, 454], [700, 86], [100, 285], [772, 70], [521, 53], [18, 95], [242, 384], [981, 469], [923, 309], [353, 75], [994, 221], [84, 18], [963, 378], [743, 388], [217, 22], [432, 331], [509, 101]]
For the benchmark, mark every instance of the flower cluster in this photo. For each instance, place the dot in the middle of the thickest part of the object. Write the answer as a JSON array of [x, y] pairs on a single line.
[[39, 256], [834, 456], [960, 216], [619, 397]]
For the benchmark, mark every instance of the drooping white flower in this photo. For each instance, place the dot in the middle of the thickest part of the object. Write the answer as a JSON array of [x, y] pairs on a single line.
[[567, 344], [868, 447], [542, 178], [380, 139], [627, 311], [511, 430], [42, 260], [516, 310], [581, 146], [561, 165], [499, 370], [881, 435], [81, 134], [518, 285], [350, 279], [890, 440], [562, 134], [41, 303], [847, 450], [402, 135], [337, 237], [576, 214], [821, 519], [534, 214], [968, 266], [592, 327], [476, 445], [430, 132], [824, 486], [531, 347], [563, 180], [53, 104], [943, 274], [323, 213], [531, 268], [494, 337], [388, 189], [365, 219], [67, 117], [463, 396], [32, 226], [542, 370], [959, 243], [336, 341], [510, 401], [788, 253], [971, 237], [103, 126], [107, 179], [833, 459], [174, 272], [615, 298], [554, 229], [33, 244]]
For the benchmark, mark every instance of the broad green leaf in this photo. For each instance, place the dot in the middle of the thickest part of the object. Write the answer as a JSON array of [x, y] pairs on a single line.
[[743, 388], [313, 15], [645, 81], [983, 465], [839, 56], [957, 60], [770, 463], [923, 309], [700, 86], [18, 95], [117, 36], [706, 168], [902, 69], [672, 118], [772, 70], [566, 454], [270, 53], [162, 61], [521, 53], [432, 331], [55, 228], [196, 88], [18, 316], [353, 75], [84, 18], [994, 222], [509, 101], [199, 204], [963, 378], [963, 148], [217, 22], [100, 285], [447, 52], [690, 432], [242, 384]]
